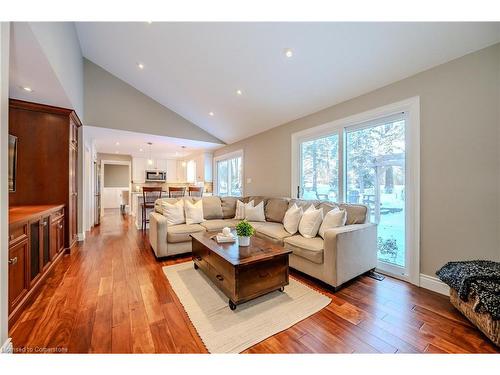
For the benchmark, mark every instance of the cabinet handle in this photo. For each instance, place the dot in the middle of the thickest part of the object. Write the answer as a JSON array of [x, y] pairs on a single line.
[[13, 260], [60, 226], [11, 237], [198, 258], [219, 277], [44, 224]]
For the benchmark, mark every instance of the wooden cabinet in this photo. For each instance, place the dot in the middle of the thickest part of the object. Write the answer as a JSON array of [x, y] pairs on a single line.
[[18, 273], [47, 160], [36, 240]]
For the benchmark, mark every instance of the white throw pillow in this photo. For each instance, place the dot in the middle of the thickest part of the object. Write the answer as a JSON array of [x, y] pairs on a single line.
[[194, 212], [310, 222], [333, 219], [255, 213], [292, 219], [174, 212], [240, 209]]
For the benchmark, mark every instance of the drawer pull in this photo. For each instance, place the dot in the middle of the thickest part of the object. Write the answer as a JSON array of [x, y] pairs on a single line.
[[219, 277], [12, 237], [198, 258], [13, 260]]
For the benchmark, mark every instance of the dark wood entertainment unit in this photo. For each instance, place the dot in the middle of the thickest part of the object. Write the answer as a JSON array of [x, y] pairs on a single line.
[[43, 207]]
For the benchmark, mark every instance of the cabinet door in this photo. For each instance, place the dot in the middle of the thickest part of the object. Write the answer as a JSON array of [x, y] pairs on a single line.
[[139, 170], [54, 226], [171, 170], [161, 164], [60, 235], [18, 270]]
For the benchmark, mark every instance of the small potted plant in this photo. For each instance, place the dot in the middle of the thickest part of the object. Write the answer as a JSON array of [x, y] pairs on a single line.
[[244, 230]]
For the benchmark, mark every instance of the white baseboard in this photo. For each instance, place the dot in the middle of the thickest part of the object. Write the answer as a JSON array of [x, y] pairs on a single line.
[[434, 284], [7, 347], [80, 237]]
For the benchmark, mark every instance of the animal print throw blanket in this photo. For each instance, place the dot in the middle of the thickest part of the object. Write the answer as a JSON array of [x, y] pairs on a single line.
[[477, 277]]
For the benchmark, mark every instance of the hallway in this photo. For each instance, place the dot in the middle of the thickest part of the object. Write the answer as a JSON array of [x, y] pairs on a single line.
[[110, 296]]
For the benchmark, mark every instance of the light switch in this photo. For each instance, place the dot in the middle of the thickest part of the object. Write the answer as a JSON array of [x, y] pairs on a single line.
[[249, 180]]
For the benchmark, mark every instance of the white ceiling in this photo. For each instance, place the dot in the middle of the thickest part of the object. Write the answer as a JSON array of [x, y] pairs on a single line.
[[196, 68], [29, 67], [130, 143]]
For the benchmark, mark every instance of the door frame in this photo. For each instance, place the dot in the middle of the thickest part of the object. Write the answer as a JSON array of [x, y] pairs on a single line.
[[116, 162], [411, 106]]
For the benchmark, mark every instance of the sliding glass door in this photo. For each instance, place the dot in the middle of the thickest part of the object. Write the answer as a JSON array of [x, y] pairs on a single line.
[[375, 163], [368, 162]]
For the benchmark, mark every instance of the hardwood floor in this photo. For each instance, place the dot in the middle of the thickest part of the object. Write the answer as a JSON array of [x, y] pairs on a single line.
[[110, 296]]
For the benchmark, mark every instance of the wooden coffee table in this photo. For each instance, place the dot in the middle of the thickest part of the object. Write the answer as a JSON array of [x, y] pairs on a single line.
[[241, 273]]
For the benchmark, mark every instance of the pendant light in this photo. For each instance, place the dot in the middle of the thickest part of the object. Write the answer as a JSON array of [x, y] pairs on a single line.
[[150, 160]]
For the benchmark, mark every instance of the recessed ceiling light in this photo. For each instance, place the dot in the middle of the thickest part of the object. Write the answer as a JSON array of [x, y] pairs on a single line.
[[140, 65], [26, 88], [117, 144], [211, 114], [239, 92], [288, 52]]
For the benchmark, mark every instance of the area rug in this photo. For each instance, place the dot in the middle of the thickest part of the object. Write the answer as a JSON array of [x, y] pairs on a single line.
[[225, 331]]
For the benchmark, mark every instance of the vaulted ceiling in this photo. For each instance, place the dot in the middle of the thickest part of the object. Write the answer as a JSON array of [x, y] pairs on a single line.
[[196, 68]]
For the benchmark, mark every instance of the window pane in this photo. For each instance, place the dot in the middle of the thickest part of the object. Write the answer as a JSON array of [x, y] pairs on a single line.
[[222, 178], [320, 168], [236, 177], [376, 177]]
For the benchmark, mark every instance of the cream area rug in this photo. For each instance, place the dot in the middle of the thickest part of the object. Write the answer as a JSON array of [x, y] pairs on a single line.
[[225, 331]]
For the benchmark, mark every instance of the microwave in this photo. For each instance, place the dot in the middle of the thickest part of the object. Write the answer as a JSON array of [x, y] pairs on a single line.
[[156, 176]]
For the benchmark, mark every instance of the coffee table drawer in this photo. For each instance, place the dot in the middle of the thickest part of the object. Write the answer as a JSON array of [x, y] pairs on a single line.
[[256, 279], [223, 280], [200, 255]]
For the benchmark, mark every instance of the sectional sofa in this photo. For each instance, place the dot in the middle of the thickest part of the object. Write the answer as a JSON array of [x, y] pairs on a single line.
[[344, 253]]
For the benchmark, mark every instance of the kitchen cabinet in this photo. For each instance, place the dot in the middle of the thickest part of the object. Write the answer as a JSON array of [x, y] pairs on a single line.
[[18, 272], [171, 170], [139, 170], [204, 163], [161, 164]]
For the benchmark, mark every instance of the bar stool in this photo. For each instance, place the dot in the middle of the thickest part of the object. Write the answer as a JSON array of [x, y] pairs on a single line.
[[176, 192], [149, 195], [195, 191]]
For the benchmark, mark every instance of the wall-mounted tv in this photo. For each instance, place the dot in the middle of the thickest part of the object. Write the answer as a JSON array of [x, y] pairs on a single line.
[[12, 162]]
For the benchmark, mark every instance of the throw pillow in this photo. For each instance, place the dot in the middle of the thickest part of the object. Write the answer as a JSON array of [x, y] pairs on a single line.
[[292, 219], [310, 222], [255, 213], [240, 209], [174, 212], [194, 212], [333, 219]]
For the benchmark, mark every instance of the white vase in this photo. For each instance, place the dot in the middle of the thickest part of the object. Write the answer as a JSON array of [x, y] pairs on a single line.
[[244, 240]]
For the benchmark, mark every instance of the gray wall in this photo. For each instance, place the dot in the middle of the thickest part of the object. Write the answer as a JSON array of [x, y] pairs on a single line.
[[112, 103], [460, 154], [116, 175], [61, 46]]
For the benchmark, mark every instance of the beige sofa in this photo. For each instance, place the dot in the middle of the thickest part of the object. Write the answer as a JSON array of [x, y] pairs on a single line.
[[343, 254]]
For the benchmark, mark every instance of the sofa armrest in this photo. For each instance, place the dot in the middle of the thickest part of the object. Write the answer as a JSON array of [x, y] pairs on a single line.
[[158, 234], [351, 250]]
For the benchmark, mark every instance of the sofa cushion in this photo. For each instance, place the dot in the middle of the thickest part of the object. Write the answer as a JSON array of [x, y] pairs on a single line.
[[356, 213], [228, 207], [272, 231], [255, 198], [181, 232], [217, 224], [212, 208], [275, 209], [308, 248], [327, 207], [303, 203]]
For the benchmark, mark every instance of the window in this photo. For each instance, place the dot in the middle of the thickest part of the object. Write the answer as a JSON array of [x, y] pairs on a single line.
[[319, 166], [229, 175], [369, 159]]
